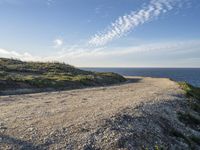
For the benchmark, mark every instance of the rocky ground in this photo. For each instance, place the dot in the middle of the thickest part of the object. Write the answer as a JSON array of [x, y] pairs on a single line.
[[140, 114]]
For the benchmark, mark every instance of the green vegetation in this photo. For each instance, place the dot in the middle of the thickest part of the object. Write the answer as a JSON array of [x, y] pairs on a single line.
[[157, 147], [190, 90], [194, 94], [191, 117], [16, 74]]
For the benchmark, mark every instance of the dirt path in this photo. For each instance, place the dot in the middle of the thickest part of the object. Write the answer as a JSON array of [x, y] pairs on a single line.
[[79, 119]]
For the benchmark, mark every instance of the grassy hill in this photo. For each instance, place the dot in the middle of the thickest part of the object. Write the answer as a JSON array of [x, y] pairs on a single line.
[[17, 75]]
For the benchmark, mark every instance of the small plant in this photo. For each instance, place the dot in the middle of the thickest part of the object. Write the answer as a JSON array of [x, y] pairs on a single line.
[[194, 93], [157, 147], [190, 90]]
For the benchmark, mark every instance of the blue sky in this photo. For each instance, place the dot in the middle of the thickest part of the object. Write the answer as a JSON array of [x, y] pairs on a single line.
[[102, 33]]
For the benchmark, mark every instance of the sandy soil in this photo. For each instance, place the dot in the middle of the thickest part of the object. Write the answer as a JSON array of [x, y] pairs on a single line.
[[133, 115]]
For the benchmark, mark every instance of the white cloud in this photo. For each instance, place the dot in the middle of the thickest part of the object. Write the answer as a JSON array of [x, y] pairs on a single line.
[[129, 22], [58, 43], [3, 52], [83, 56], [23, 56], [175, 47]]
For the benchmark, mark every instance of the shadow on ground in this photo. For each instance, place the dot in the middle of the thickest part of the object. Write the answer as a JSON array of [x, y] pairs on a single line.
[[148, 126], [7, 142]]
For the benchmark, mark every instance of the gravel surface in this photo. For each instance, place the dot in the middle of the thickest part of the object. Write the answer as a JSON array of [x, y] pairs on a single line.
[[139, 114]]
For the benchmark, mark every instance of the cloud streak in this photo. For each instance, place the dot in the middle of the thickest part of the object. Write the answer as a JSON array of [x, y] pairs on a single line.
[[76, 51], [129, 22], [14, 54]]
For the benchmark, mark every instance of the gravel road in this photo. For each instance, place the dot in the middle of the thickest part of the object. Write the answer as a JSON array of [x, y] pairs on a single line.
[[135, 115]]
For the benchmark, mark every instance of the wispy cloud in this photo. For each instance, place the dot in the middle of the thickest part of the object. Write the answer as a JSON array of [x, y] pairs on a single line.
[[175, 47], [129, 22], [58, 43], [15, 54], [83, 56]]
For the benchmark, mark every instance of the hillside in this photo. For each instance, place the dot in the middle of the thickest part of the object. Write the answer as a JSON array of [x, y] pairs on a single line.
[[22, 77]]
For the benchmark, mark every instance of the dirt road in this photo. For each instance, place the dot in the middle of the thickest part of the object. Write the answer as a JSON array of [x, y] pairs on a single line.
[[131, 115]]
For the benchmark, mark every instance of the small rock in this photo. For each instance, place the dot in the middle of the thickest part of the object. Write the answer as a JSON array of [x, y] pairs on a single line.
[[30, 129], [51, 133]]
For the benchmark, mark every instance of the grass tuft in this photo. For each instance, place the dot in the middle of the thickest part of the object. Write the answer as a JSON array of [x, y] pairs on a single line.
[[190, 90]]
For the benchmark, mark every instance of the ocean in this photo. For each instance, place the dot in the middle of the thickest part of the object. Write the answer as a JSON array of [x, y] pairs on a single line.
[[190, 75]]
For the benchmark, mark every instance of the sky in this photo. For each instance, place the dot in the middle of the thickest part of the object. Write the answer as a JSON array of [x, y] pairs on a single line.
[[102, 33]]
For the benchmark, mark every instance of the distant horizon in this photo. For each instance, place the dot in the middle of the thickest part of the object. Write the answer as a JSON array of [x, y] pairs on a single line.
[[93, 33], [143, 67]]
